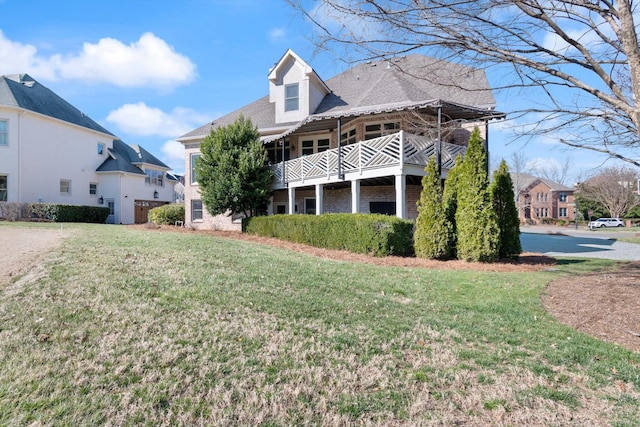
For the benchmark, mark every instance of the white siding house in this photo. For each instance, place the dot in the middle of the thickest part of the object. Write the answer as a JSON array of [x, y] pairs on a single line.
[[51, 152]]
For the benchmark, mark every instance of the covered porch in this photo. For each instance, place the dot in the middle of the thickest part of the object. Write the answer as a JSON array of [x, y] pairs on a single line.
[[397, 159]]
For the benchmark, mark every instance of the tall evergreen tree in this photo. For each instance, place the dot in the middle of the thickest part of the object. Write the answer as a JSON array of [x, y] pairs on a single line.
[[476, 222], [504, 205], [231, 170], [434, 232], [450, 201]]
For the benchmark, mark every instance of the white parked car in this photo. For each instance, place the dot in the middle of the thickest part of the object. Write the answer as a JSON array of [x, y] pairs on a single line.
[[606, 222]]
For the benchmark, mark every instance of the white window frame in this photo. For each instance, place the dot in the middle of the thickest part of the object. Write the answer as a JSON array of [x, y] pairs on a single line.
[[93, 185], [562, 211], [348, 137], [100, 148], [562, 197], [154, 177], [385, 128], [316, 143], [65, 186], [291, 100], [192, 167], [4, 133]]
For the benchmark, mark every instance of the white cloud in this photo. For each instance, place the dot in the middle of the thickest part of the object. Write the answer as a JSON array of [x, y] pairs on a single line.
[[16, 58], [277, 35], [173, 155], [148, 62], [142, 120]]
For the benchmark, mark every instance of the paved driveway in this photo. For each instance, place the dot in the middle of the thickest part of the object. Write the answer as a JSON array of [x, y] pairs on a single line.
[[560, 241]]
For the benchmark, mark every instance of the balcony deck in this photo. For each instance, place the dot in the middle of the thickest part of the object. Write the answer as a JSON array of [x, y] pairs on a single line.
[[396, 154]]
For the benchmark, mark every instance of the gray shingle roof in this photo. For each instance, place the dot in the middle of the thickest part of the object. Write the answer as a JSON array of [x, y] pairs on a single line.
[[22, 91], [371, 86], [123, 158], [525, 181]]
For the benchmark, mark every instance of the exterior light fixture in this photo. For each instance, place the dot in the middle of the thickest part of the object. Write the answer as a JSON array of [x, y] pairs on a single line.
[[155, 194], [100, 201]]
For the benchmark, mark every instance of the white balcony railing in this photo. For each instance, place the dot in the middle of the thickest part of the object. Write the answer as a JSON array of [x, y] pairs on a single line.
[[390, 151]]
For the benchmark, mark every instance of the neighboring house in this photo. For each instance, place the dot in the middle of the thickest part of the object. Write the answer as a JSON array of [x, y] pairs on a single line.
[[539, 199], [53, 153], [358, 142]]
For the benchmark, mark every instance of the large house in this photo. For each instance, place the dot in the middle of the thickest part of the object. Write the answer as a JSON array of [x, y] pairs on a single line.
[[358, 142], [53, 153], [540, 199]]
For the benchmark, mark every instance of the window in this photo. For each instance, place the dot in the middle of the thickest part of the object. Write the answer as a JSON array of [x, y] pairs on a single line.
[[348, 137], [386, 208], [193, 167], [562, 197], [93, 188], [154, 177], [100, 148], [65, 186], [317, 145], [281, 209], [562, 212], [196, 210], [274, 151], [4, 132], [310, 206], [3, 188], [376, 130], [291, 97]]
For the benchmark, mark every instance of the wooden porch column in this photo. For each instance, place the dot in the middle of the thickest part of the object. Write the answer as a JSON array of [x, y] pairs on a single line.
[[355, 196], [319, 199], [401, 187], [292, 200]]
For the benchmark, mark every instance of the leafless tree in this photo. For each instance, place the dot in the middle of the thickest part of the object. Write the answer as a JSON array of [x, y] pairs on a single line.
[[615, 188], [554, 171], [576, 63]]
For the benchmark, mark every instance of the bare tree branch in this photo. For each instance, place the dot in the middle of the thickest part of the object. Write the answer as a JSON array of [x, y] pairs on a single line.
[[577, 60]]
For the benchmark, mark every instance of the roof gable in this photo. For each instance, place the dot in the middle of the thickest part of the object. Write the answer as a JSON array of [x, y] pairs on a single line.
[[129, 159], [22, 91], [371, 88]]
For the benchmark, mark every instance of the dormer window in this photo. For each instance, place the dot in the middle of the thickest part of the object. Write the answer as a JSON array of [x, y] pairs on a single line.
[[291, 97]]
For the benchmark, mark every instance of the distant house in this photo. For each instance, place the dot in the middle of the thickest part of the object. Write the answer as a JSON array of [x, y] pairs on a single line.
[[51, 152], [540, 199], [358, 142]]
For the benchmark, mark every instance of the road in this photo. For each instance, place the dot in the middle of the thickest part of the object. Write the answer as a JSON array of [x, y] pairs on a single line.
[[583, 243]]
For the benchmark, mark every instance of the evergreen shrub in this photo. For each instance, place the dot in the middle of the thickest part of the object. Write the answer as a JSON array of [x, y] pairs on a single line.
[[167, 214], [377, 234]]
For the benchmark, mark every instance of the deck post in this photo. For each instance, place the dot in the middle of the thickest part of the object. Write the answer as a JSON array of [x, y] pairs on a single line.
[[292, 200], [401, 187], [355, 196], [319, 199]]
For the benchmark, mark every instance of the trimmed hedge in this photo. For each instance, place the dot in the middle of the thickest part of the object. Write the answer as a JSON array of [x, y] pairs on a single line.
[[65, 213], [362, 233], [167, 214]]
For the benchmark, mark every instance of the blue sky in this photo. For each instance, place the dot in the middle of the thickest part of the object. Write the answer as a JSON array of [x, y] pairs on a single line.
[[150, 71]]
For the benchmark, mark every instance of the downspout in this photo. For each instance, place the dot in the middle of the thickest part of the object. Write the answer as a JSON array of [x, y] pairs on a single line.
[[283, 151], [340, 175], [439, 145], [19, 157], [486, 143]]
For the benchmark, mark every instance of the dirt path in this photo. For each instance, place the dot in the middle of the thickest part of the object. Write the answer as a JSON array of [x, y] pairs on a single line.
[[25, 248]]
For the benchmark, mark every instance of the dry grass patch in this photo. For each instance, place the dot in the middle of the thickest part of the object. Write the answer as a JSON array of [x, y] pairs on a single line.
[[126, 327]]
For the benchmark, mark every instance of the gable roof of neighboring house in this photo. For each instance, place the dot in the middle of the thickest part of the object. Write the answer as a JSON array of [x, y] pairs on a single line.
[[525, 182], [129, 159], [411, 82], [22, 91]]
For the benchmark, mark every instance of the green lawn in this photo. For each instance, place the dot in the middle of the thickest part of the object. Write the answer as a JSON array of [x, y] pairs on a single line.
[[139, 327]]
